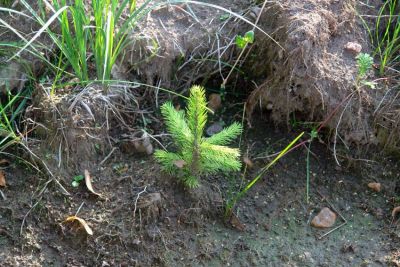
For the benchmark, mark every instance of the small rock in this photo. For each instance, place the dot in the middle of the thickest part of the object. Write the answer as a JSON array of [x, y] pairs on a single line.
[[214, 129], [143, 145], [325, 219], [353, 47], [214, 102], [375, 187]]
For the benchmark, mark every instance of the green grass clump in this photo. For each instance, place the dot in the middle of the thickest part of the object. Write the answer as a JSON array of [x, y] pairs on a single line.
[[386, 35], [88, 32], [11, 107], [82, 37], [6, 3], [197, 155]]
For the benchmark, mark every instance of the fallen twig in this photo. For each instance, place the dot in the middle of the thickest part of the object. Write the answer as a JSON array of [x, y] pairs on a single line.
[[108, 156]]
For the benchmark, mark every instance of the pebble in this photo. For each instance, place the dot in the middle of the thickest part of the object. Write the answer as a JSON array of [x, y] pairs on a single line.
[[143, 145], [325, 219], [214, 129], [375, 187]]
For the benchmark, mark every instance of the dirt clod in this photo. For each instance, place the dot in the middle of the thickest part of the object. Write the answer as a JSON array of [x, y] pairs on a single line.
[[353, 47]]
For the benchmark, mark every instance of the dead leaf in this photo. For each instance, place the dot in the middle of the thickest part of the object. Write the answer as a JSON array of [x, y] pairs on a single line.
[[2, 179], [88, 183], [395, 211], [375, 187], [248, 162], [179, 163], [82, 223]]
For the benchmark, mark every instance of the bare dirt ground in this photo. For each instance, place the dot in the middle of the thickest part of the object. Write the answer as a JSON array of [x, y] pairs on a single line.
[[145, 218], [174, 231]]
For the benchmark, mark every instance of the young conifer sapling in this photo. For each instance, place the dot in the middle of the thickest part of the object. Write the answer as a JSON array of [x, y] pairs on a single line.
[[195, 154]]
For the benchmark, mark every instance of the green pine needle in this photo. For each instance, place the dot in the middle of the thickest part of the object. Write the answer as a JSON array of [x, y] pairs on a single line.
[[197, 155]]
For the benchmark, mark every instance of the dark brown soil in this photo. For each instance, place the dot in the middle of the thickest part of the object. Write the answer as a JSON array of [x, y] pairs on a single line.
[[145, 218], [175, 230]]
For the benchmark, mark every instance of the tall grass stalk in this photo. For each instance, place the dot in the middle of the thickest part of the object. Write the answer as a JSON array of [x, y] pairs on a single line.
[[386, 35], [9, 113], [388, 45], [231, 202]]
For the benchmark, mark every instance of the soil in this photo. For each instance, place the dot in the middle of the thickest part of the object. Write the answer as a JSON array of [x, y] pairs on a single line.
[[273, 227], [142, 217]]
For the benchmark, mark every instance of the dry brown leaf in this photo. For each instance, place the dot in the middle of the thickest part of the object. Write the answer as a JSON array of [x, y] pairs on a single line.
[[82, 223], [2, 178], [395, 211], [375, 187], [179, 163], [248, 162], [88, 183]]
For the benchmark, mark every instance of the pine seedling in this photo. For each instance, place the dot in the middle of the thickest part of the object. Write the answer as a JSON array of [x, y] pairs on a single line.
[[197, 155]]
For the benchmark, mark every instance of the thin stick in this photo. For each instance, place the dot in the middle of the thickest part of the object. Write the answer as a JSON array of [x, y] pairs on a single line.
[[2, 195], [335, 210], [26, 215], [137, 198], [108, 156], [331, 231], [79, 209]]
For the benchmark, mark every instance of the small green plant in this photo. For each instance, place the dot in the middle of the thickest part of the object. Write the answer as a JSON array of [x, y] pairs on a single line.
[[243, 41], [364, 63], [197, 155], [76, 180]]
